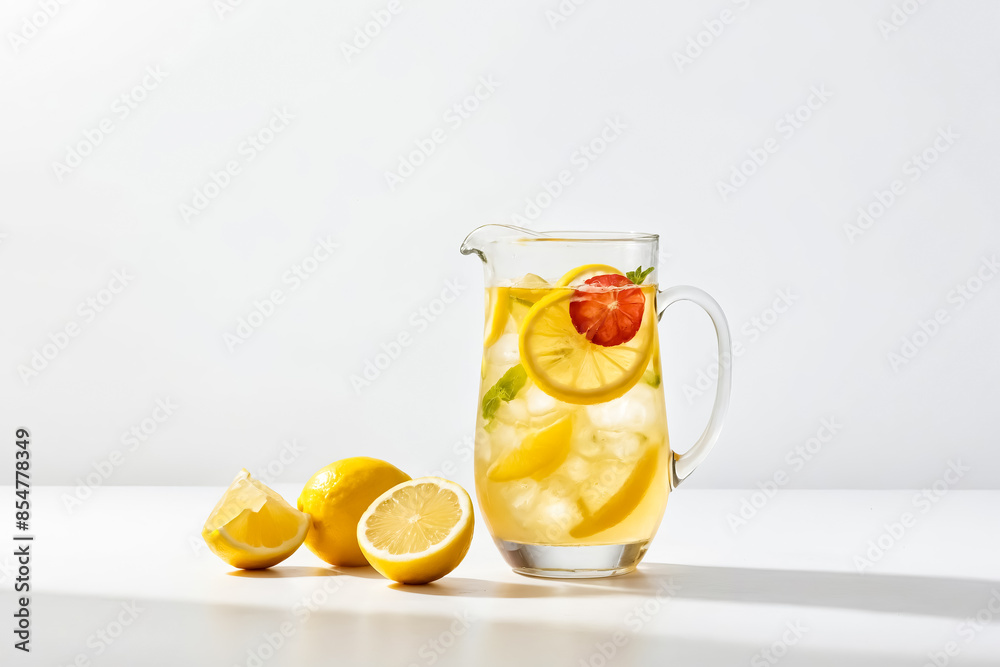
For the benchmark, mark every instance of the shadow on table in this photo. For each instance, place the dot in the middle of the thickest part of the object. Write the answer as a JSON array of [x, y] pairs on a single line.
[[481, 588], [290, 571], [929, 596]]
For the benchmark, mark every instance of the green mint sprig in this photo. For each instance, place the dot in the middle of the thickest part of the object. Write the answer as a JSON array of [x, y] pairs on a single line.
[[505, 389], [639, 274]]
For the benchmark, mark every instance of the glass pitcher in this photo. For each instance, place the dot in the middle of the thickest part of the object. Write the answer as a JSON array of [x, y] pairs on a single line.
[[572, 459]]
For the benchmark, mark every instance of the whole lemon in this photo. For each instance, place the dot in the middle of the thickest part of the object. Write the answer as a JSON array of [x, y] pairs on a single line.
[[336, 497]]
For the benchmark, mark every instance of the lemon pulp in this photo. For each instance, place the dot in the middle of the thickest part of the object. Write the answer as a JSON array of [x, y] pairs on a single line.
[[253, 527]]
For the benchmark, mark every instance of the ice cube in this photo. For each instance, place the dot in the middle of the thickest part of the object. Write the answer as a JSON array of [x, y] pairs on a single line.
[[635, 411], [576, 469], [521, 494], [556, 516], [584, 442], [539, 403], [559, 486], [503, 437], [513, 412], [484, 441], [621, 445], [504, 352]]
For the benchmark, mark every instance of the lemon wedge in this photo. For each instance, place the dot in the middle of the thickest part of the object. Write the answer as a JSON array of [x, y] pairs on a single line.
[[538, 454], [614, 506], [253, 527], [417, 531], [497, 312], [567, 366]]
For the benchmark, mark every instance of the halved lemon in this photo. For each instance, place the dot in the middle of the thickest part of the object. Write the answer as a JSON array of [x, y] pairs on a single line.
[[497, 312], [253, 527], [581, 273], [603, 506], [417, 531], [567, 366], [539, 453]]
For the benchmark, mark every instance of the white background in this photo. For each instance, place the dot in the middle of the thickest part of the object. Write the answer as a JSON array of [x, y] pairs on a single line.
[[323, 176]]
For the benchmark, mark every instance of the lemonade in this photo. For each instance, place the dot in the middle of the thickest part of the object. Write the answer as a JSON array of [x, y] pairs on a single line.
[[571, 436]]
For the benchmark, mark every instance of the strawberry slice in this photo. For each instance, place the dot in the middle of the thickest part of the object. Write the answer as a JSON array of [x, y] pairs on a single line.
[[607, 309]]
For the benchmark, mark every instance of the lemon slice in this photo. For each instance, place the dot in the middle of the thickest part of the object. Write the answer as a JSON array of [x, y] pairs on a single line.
[[614, 506], [538, 454], [253, 527], [497, 312], [581, 273], [567, 366], [417, 531]]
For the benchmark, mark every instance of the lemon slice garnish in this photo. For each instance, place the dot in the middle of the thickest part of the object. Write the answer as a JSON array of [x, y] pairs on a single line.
[[417, 531], [539, 453], [253, 527], [582, 273], [615, 505], [567, 366]]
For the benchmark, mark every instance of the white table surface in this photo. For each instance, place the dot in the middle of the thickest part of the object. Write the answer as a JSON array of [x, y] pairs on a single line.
[[724, 597]]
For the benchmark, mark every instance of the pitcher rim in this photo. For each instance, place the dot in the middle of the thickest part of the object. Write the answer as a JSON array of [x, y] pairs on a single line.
[[521, 234], [579, 235]]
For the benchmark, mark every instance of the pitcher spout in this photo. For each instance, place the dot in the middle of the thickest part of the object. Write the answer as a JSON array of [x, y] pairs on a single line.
[[478, 240]]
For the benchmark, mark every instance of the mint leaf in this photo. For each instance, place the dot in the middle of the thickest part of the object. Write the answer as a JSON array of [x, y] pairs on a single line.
[[638, 275], [505, 389], [652, 378]]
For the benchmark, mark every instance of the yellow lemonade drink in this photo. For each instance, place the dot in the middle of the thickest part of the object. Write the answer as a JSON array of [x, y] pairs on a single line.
[[571, 437]]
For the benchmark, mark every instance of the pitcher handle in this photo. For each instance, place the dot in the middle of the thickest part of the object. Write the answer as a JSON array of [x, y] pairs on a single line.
[[684, 464]]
